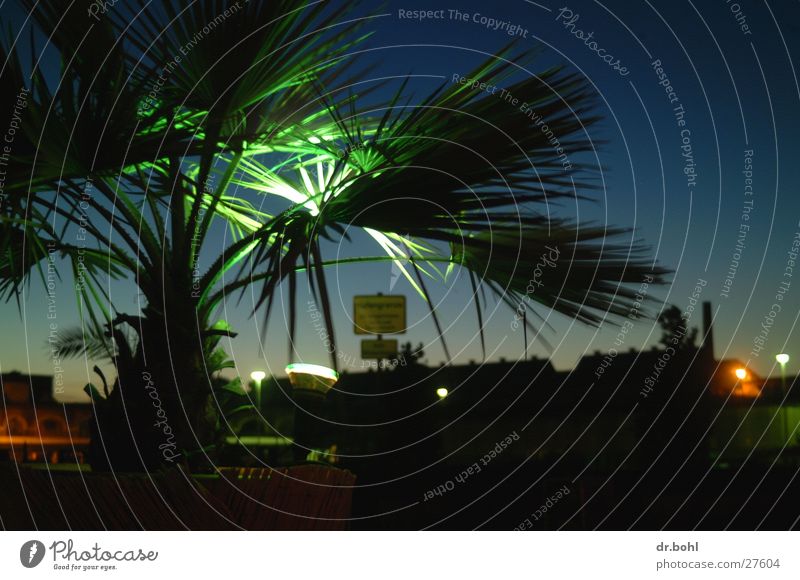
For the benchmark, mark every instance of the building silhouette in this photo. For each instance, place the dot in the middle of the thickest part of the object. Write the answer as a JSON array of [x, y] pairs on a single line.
[[34, 427]]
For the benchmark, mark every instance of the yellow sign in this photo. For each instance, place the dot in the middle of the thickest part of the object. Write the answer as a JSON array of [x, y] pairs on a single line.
[[378, 349], [379, 314]]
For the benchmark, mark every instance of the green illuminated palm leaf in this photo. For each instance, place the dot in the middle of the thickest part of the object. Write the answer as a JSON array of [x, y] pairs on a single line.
[[115, 179], [467, 170]]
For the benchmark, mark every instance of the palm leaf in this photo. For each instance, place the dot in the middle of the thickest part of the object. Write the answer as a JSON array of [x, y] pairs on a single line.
[[504, 164], [80, 342]]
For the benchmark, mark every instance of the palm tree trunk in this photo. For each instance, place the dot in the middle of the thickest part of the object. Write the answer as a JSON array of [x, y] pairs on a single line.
[[161, 410]]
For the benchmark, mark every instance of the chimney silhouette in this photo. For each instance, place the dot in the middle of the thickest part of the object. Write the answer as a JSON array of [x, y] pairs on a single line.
[[708, 331]]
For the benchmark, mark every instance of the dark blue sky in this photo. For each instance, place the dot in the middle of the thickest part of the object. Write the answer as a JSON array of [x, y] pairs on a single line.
[[739, 91]]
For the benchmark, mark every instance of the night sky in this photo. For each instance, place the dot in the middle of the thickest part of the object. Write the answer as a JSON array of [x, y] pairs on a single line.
[[731, 70]]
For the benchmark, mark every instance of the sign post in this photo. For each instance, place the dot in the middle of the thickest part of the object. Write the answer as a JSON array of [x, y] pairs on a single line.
[[378, 349], [379, 315]]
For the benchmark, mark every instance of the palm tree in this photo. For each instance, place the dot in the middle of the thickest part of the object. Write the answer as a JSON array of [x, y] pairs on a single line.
[[126, 161]]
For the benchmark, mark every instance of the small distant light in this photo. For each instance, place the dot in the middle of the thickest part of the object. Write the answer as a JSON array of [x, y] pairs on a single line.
[[442, 392], [741, 374], [258, 376], [782, 358]]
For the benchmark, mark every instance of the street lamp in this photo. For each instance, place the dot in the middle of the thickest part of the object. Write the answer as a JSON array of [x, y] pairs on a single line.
[[307, 377], [741, 374], [442, 392], [257, 377], [782, 359], [310, 386]]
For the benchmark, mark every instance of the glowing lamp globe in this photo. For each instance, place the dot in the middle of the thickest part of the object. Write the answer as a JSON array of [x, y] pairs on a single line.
[[782, 358], [308, 377], [741, 374]]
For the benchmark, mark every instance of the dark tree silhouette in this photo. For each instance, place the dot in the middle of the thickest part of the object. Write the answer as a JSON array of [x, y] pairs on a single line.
[[675, 333]]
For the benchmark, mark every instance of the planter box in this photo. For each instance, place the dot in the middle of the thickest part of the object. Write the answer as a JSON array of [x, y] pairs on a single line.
[[306, 497]]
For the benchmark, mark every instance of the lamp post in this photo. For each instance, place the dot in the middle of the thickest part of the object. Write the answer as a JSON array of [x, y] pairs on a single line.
[[257, 377], [310, 386], [782, 359]]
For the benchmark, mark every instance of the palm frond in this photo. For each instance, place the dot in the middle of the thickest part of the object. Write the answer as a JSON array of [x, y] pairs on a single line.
[[82, 342], [592, 274], [466, 169]]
